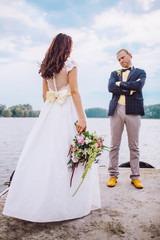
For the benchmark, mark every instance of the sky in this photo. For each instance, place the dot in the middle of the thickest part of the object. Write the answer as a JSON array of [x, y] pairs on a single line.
[[99, 28]]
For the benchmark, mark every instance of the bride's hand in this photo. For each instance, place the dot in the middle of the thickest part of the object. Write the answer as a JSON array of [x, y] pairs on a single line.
[[81, 125]]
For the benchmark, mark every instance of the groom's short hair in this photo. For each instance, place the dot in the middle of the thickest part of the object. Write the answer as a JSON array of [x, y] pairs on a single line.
[[123, 49]]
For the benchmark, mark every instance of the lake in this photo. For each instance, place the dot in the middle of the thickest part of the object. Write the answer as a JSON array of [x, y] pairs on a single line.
[[14, 131]]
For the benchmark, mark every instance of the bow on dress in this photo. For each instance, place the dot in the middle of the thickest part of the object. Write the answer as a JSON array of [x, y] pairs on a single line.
[[59, 96]]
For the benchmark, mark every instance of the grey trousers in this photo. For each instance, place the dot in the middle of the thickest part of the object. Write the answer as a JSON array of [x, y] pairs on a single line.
[[133, 123]]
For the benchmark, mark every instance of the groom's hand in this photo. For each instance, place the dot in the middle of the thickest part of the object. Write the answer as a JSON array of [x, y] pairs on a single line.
[[118, 83], [133, 91]]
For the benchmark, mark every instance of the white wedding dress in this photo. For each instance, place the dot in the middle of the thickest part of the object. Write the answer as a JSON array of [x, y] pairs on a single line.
[[40, 190]]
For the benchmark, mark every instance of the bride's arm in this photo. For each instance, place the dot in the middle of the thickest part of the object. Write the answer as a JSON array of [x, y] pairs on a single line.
[[81, 125], [45, 89]]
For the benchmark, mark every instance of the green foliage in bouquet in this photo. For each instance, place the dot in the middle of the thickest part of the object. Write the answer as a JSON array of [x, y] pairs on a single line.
[[85, 148]]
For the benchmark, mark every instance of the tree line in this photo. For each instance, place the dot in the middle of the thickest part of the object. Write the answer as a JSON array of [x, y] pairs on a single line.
[[151, 111], [25, 110]]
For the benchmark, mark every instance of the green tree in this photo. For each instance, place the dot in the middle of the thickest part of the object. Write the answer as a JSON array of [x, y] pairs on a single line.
[[30, 113], [152, 111], [25, 107], [35, 113], [2, 107], [26, 113], [19, 112], [13, 110], [6, 113], [96, 113]]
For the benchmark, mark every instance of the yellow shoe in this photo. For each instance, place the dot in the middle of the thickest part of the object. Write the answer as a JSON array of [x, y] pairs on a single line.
[[137, 183], [112, 182]]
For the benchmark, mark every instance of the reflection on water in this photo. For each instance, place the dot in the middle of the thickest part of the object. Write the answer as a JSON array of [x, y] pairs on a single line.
[[14, 131]]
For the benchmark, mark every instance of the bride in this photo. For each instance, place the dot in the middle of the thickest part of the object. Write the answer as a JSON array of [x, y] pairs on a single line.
[[40, 190]]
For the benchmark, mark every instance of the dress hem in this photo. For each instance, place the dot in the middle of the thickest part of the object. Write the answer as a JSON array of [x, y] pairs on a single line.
[[47, 221]]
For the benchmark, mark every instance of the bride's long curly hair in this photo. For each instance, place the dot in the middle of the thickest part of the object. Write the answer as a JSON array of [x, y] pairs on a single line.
[[56, 55]]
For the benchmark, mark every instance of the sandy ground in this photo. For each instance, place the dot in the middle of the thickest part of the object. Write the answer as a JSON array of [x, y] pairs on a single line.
[[126, 213]]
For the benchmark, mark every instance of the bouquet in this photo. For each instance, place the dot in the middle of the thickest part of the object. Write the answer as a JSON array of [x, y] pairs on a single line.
[[85, 149]]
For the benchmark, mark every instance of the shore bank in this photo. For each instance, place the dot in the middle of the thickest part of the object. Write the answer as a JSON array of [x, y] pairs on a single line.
[[126, 213]]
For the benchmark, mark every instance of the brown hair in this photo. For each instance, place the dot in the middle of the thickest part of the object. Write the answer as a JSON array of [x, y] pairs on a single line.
[[56, 55], [123, 49]]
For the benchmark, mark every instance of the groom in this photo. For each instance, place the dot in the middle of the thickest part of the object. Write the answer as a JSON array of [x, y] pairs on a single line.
[[126, 107]]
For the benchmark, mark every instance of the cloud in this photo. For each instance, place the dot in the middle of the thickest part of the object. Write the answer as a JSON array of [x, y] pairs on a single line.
[[33, 54], [7, 44], [20, 12], [146, 4], [128, 26], [20, 84], [94, 48]]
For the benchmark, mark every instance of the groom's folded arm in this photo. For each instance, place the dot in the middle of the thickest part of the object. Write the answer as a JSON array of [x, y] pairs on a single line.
[[113, 88], [135, 85], [131, 91]]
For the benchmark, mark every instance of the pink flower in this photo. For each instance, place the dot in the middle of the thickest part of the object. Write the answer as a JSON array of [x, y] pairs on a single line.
[[80, 139], [99, 144], [75, 160]]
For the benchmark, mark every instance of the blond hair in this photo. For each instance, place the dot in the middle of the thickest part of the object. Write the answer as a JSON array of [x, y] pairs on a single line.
[[123, 49]]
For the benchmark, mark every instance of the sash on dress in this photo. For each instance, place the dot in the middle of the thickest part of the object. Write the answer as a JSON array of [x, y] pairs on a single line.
[[59, 96]]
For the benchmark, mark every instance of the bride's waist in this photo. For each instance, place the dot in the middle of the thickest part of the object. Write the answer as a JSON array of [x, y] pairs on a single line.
[[59, 96]]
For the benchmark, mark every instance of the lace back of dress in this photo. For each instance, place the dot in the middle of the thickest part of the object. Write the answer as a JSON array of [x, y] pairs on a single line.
[[60, 80]]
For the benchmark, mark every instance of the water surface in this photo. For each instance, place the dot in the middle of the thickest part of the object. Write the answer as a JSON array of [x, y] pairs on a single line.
[[14, 132]]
